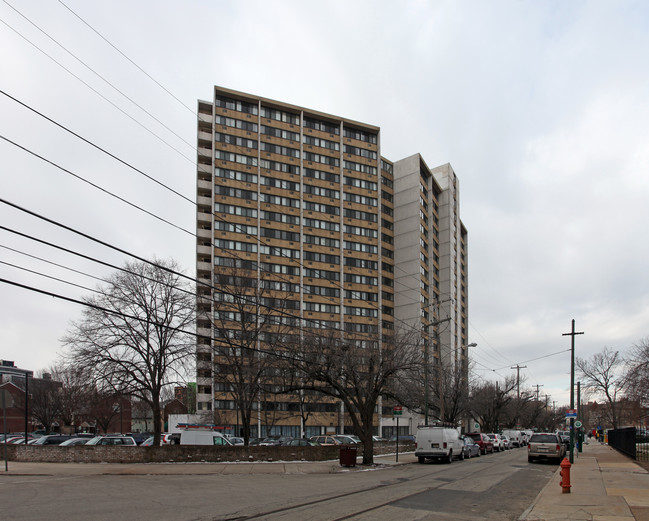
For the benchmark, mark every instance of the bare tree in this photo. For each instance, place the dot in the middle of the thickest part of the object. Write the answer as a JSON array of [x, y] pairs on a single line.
[[637, 378], [133, 337], [74, 394], [602, 374], [45, 400], [355, 371], [251, 316], [490, 400]]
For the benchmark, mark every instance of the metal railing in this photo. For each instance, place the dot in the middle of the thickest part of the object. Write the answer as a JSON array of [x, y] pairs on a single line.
[[632, 441]]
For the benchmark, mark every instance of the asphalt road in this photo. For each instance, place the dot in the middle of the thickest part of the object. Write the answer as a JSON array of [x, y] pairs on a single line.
[[497, 486]]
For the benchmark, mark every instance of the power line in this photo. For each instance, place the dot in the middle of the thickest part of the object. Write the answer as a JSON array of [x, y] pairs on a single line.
[[101, 77], [129, 59], [99, 93]]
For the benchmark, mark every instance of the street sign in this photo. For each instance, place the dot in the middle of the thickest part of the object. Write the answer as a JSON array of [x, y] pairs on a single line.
[[571, 413], [397, 411], [476, 426], [577, 424]]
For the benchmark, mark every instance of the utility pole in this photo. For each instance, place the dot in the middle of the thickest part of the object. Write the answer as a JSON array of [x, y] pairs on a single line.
[[572, 387], [537, 391], [518, 379]]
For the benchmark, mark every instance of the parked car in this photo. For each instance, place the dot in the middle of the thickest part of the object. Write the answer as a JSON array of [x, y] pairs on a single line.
[[514, 436], [203, 437], [499, 444], [302, 443], [112, 440], [74, 441], [404, 437], [486, 445], [507, 442], [440, 443], [378, 439], [471, 448], [236, 440], [51, 439], [275, 440], [347, 439], [326, 440], [545, 445]]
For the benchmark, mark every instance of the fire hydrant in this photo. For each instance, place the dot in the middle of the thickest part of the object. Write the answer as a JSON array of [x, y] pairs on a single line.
[[565, 476]]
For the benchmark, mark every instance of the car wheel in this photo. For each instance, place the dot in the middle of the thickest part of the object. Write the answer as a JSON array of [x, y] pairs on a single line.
[[530, 459], [449, 458], [422, 459], [469, 455], [462, 455]]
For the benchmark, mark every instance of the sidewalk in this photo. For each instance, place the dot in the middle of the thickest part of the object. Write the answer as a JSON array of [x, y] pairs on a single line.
[[606, 486]]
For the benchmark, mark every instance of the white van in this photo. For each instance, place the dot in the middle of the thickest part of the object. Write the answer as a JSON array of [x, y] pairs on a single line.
[[203, 437], [514, 436], [441, 443]]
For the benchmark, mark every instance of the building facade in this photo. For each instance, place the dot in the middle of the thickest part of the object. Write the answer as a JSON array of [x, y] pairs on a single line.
[[299, 217]]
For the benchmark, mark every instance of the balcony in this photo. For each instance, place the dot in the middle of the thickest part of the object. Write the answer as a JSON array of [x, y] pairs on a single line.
[[202, 200], [204, 266], [204, 185], [205, 118], [204, 250]]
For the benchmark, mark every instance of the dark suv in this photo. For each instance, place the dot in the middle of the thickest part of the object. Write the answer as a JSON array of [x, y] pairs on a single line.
[[486, 444]]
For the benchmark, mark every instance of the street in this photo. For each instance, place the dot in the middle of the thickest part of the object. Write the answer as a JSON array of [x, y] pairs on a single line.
[[498, 486]]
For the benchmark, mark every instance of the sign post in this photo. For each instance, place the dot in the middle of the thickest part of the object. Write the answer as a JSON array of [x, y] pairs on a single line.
[[397, 412]]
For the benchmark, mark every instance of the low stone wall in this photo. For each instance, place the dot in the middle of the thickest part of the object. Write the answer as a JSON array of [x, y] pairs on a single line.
[[182, 453]]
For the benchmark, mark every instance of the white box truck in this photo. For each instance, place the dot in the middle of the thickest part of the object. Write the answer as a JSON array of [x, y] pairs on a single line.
[[442, 443]]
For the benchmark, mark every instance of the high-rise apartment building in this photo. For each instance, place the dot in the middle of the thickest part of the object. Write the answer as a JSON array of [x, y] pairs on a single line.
[[300, 217]]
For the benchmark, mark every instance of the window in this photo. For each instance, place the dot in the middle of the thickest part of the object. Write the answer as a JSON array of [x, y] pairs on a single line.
[[361, 312], [360, 279], [231, 262], [321, 241], [361, 295], [235, 245], [322, 291], [225, 226], [279, 252], [282, 201], [361, 263], [281, 133], [319, 158], [233, 174], [279, 115], [235, 140], [280, 234], [232, 104], [358, 167], [319, 307], [280, 268], [321, 274], [321, 125], [320, 191], [235, 192], [280, 217], [322, 225], [322, 143], [323, 208], [360, 135], [235, 123], [319, 174], [360, 183], [235, 158], [235, 210], [280, 183], [279, 167], [314, 256], [360, 199], [362, 152], [363, 216], [278, 149], [359, 246]]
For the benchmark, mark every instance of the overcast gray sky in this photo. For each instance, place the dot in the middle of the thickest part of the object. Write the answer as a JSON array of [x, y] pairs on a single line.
[[542, 108]]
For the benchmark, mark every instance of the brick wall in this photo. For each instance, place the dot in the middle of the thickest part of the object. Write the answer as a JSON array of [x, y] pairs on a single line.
[[181, 453]]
